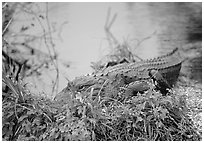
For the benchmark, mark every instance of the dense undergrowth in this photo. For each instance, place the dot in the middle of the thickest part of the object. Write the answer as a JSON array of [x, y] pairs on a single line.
[[88, 116]]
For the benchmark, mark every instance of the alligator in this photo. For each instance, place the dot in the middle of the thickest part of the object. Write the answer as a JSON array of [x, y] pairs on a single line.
[[164, 69]]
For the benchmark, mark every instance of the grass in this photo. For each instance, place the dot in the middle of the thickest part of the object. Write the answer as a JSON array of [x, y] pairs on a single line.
[[87, 115]]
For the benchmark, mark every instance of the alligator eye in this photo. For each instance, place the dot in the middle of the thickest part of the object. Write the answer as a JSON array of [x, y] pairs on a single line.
[[125, 76], [80, 87]]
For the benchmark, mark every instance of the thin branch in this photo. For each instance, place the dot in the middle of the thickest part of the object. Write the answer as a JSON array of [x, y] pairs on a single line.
[[7, 25], [112, 21], [108, 16], [4, 5], [56, 83], [108, 26]]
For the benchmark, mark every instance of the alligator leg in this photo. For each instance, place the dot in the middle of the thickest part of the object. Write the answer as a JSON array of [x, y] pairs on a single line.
[[138, 86], [160, 82]]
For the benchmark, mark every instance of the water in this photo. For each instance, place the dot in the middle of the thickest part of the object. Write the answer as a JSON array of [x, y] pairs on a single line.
[[147, 27], [84, 38]]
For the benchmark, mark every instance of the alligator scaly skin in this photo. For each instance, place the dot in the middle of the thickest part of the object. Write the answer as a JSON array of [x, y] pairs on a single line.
[[168, 66]]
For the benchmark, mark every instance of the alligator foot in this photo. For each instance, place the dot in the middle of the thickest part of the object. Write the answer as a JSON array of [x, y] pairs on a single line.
[[160, 82], [138, 86]]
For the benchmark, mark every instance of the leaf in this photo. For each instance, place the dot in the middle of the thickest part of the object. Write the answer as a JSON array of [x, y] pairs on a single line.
[[37, 121], [52, 132], [27, 126], [164, 113], [93, 135], [159, 124], [80, 110], [30, 112], [150, 117], [139, 119], [22, 118], [93, 121], [156, 113], [15, 88]]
